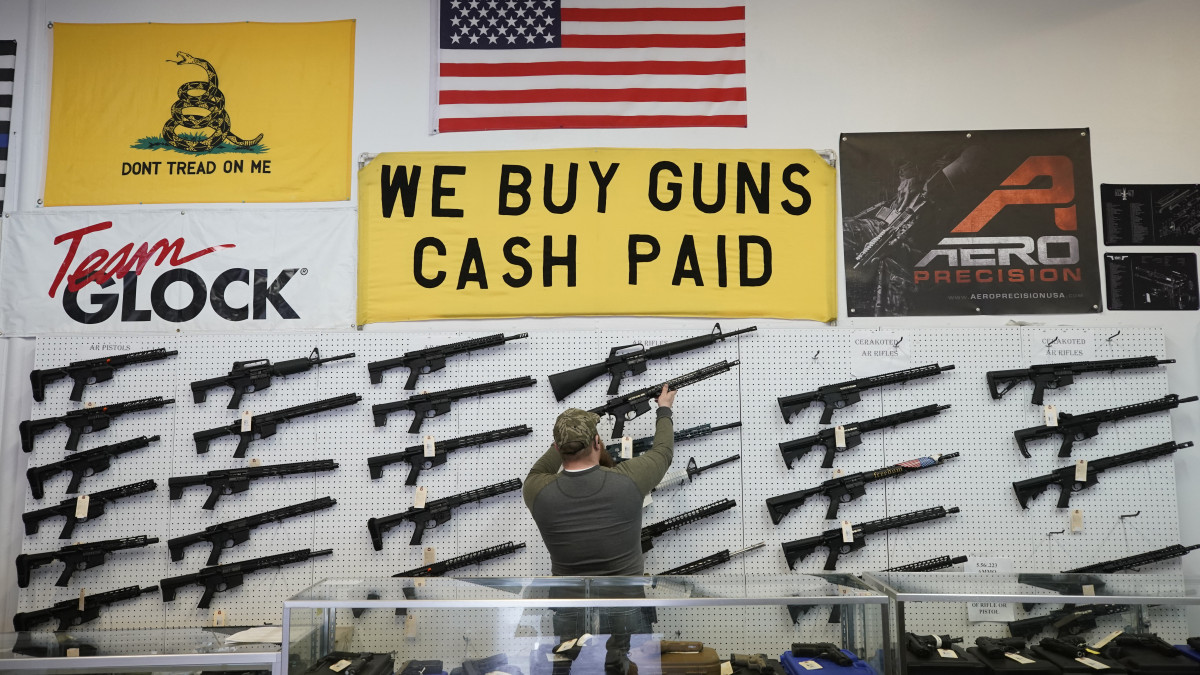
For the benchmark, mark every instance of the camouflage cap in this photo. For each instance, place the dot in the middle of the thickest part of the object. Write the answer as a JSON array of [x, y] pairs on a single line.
[[575, 426]]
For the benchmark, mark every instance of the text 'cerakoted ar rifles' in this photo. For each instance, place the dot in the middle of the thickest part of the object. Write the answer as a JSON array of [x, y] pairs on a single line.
[[76, 557], [1068, 481], [637, 403], [1058, 375], [432, 359], [621, 362], [418, 460], [1070, 620], [250, 376], [827, 438], [437, 569], [641, 445], [437, 403], [232, 481], [845, 489], [81, 464], [265, 425], [649, 532], [435, 512], [91, 371], [86, 420], [231, 575], [1135, 561], [76, 611], [707, 562], [843, 394], [838, 543], [1086, 425], [97, 502], [228, 534]]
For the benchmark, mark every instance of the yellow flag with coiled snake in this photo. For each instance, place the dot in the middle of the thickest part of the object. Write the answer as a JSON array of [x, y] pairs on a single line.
[[185, 113]]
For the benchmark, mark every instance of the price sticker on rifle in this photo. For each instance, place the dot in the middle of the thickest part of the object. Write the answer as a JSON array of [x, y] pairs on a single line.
[[1050, 413], [947, 653], [810, 665], [626, 447], [1076, 520], [1092, 663], [839, 436], [419, 498], [430, 446], [847, 532], [1023, 660], [340, 665], [246, 420], [81, 506], [430, 555], [1081, 470]]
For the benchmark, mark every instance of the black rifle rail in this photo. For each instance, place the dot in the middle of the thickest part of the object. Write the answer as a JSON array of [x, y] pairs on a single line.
[[224, 482], [76, 557], [434, 513], [91, 371], [438, 569], [432, 359], [1067, 621], [649, 532], [1087, 425], [833, 539], [1059, 375], [97, 505], [845, 394], [265, 425], [827, 438], [69, 613], [708, 562], [82, 464], [635, 404], [86, 420], [1065, 478], [933, 564], [640, 446], [1135, 561], [231, 575], [246, 377], [436, 403], [693, 469], [415, 456], [231, 533]]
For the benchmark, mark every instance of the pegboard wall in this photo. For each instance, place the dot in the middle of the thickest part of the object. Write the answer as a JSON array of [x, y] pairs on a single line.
[[774, 363]]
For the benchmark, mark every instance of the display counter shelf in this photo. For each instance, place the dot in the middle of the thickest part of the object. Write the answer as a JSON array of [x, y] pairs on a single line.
[[176, 650]]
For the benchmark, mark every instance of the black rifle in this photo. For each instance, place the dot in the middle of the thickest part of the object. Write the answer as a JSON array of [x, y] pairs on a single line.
[[232, 481], [418, 462], [821, 650], [643, 444], [833, 540], [355, 663], [1135, 561], [1066, 480], [1079, 427], [75, 611], [1061, 584], [718, 558], [96, 504], [434, 513], [835, 614], [692, 470], [91, 371], [76, 557], [843, 394], [637, 403], [996, 648], [438, 569], [86, 463], [264, 425], [86, 420], [1148, 641], [234, 532], [826, 439], [1057, 375], [922, 646], [437, 403], [430, 359], [1070, 620], [231, 575], [847, 488], [1072, 647], [649, 532], [250, 376], [620, 363]]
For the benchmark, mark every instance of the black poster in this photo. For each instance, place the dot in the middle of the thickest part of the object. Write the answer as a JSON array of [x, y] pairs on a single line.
[[1155, 215], [979, 222], [1151, 281]]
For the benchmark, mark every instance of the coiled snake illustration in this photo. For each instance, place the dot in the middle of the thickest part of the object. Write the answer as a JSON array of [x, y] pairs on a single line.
[[210, 99]]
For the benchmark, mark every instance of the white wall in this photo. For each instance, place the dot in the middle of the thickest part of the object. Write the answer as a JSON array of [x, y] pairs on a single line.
[[815, 69]]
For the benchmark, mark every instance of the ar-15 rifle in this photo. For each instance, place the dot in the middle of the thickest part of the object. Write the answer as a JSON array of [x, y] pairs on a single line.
[[76, 611], [250, 376], [231, 575], [821, 650], [96, 505], [843, 394], [827, 438], [91, 371], [1135, 561], [1149, 641], [637, 403], [228, 534], [418, 461], [232, 481], [264, 425], [693, 469], [922, 646], [86, 420], [86, 463], [642, 445], [1079, 427], [430, 359], [718, 558], [438, 569], [434, 513], [1067, 477], [1070, 620], [649, 532], [437, 403], [76, 557], [847, 488], [1061, 584], [835, 614], [620, 362], [1072, 647], [1058, 375], [996, 648], [834, 539]]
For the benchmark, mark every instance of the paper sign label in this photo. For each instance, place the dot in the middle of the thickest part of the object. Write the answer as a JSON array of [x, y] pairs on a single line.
[[1081, 470], [626, 447], [340, 666], [1107, 639], [1019, 659], [726, 668], [947, 653], [876, 352], [564, 646], [419, 498], [81, 506], [1076, 520], [1050, 413], [419, 582], [839, 436], [810, 665], [89, 404], [1089, 589], [430, 446], [72, 652], [254, 461], [1090, 663], [82, 595], [1055, 345], [583, 639], [218, 617], [847, 532], [430, 555], [838, 473], [989, 611], [246, 419]]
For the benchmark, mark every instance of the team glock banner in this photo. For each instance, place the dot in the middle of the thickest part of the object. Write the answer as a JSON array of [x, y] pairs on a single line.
[[597, 231], [978, 222], [182, 113], [149, 271]]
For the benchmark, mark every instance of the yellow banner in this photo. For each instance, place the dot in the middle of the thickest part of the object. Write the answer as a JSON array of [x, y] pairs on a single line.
[[171, 113], [609, 231]]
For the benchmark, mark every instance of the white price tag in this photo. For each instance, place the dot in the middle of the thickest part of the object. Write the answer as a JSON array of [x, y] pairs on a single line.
[[254, 461], [1050, 413], [1089, 589], [839, 436], [555, 658], [1091, 663], [89, 404], [810, 665], [82, 596], [218, 617], [81, 506], [564, 646], [246, 419], [582, 640], [646, 501], [430, 555], [419, 582], [726, 668], [1081, 470], [847, 532], [626, 447], [419, 498], [430, 446], [1076, 520], [72, 652], [1107, 639], [947, 653], [410, 626], [340, 665], [1023, 660], [838, 473]]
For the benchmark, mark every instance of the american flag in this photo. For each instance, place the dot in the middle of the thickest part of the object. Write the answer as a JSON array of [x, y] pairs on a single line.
[[919, 463], [8, 64], [586, 64]]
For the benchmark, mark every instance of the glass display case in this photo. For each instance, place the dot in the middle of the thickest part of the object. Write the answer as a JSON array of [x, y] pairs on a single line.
[[174, 650], [528, 626], [1045, 611]]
